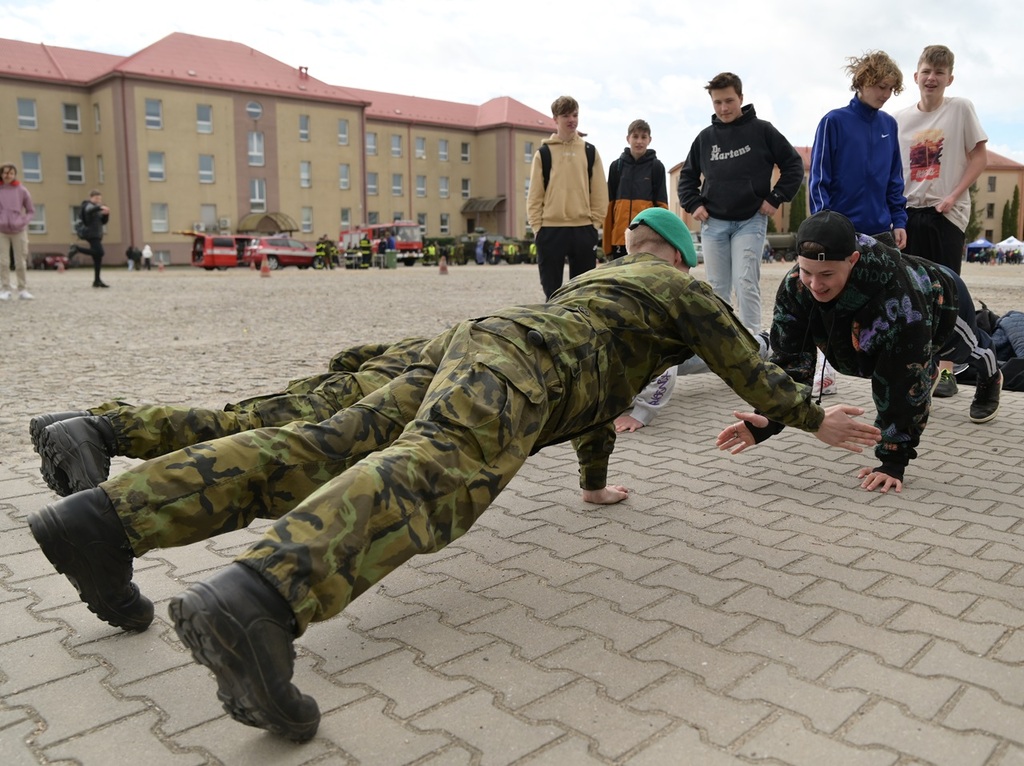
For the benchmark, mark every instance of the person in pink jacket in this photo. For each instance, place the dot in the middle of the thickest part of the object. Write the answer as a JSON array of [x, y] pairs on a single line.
[[16, 210]]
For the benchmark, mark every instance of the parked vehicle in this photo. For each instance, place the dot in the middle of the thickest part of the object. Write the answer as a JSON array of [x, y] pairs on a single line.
[[408, 239], [280, 251], [48, 261], [217, 251]]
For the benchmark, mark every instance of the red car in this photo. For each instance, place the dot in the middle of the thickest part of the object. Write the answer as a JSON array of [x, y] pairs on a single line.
[[281, 251]]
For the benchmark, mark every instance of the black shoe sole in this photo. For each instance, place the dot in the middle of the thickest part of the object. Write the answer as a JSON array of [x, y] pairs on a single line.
[[55, 540], [39, 423], [236, 668], [54, 448]]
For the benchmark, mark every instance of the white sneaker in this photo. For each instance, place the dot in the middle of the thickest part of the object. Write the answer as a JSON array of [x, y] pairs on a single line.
[[25, 295], [5, 295]]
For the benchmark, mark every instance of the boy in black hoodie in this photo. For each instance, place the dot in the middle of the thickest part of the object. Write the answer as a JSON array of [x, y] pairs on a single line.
[[878, 314], [726, 184], [636, 181]]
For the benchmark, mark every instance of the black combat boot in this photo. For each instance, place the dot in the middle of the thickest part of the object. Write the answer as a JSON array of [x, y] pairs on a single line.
[[85, 541], [38, 424], [238, 626], [76, 453]]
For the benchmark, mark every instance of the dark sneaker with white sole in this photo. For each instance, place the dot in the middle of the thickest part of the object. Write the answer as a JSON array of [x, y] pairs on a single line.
[[946, 386], [86, 542], [243, 630], [986, 399], [76, 453]]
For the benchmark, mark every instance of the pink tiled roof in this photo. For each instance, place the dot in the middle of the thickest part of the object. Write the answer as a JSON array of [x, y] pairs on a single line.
[[497, 111], [223, 64], [39, 61]]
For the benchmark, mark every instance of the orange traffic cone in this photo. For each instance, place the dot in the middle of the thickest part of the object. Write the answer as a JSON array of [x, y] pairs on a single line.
[[60, 266], [265, 268], [442, 265], [160, 266], [252, 265]]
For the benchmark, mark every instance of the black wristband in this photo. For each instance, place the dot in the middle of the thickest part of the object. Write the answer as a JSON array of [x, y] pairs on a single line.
[[892, 469], [762, 433]]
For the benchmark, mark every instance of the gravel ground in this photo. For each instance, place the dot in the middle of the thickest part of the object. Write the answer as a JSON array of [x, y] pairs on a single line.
[[189, 336]]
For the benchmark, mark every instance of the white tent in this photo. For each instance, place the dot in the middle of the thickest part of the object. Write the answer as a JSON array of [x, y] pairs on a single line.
[[1009, 244]]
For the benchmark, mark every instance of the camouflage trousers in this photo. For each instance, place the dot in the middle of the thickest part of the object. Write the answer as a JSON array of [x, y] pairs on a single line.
[[406, 470], [147, 431]]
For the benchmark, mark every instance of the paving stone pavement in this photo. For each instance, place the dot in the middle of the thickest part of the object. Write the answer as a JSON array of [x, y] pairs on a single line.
[[757, 608]]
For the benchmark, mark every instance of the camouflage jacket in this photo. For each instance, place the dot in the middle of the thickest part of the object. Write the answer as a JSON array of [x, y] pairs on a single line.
[[611, 330]]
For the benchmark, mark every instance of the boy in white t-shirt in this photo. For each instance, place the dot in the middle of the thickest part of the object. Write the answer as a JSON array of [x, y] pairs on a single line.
[[943, 148]]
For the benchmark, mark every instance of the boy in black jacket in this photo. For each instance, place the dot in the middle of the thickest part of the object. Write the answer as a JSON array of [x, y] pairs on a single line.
[[636, 181], [879, 314]]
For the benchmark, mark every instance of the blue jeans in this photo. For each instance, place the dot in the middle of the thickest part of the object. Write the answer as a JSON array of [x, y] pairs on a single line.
[[732, 262]]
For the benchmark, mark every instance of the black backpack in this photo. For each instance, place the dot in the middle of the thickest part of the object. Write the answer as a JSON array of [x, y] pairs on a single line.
[[81, 227], [545, 161]]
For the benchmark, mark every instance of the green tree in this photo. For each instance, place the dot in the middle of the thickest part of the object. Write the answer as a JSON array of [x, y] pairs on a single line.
[[1015, 212], [1006, 224], [798, 208], [973, 224]]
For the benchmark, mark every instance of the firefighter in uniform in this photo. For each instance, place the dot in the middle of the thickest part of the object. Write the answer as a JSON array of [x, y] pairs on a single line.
[[366, 250], [410, 467]]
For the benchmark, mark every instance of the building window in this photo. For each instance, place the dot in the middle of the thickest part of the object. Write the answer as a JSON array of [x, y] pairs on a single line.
[[396, 185], [528, 151], [421, 186], [344, 176], [421, 219], [442, 149], [72, 118], [991, 183], [157, 171], [154, 114], [465, 151], [421, 148], [442, 187], [396, 145], [305, 174], [444, 223], [307, 220], [38, 223], [526, 188], [256, 157], [204, 118], [346, 217], [76, 171], [96, 117], [101, 173], [159, 222], [27, 119], [258, 195], [465, 188], [371, 183], [371, 144], [303, 127], [206, 175], [990, 210], [373, 218], [343, 132], [31, 166]]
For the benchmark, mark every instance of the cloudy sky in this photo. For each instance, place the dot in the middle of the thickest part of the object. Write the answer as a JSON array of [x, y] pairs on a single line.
[[621, 60]]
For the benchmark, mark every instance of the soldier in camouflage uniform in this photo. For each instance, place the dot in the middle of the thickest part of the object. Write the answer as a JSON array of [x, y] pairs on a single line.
[[76, 446], [410, 467]]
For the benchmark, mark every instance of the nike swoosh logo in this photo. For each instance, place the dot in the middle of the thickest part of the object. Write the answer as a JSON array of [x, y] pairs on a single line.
[[885, 135]]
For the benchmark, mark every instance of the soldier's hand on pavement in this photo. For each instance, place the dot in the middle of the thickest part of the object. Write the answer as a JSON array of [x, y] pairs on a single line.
[[609, 495], [877, 480], [737, 437], [839, 429]]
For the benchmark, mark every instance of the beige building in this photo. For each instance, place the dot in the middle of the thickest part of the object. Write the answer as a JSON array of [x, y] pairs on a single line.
[[197, 134], [994, 188]]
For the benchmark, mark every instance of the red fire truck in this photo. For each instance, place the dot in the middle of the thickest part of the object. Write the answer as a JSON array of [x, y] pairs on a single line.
[[408, 241]]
